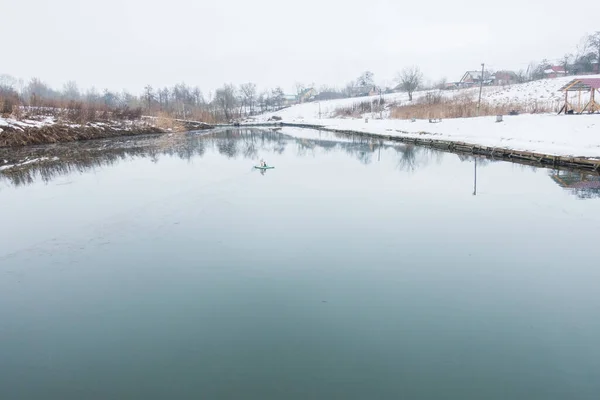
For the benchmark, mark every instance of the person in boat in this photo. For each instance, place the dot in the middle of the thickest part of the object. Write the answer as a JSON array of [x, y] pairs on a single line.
[[263, 163]]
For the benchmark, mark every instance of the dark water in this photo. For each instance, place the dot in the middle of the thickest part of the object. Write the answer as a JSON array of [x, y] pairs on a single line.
[[168, 268]]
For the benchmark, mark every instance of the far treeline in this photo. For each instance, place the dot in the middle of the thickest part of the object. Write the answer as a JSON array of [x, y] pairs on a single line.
[[230, 102]]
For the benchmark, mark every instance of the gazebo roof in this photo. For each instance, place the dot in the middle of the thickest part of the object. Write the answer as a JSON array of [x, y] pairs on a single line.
[[585, 84]]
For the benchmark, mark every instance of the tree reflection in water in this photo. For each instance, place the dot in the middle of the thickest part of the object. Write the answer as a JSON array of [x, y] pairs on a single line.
[[248, 143]]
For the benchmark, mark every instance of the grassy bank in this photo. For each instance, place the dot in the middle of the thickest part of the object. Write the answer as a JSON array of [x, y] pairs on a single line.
[[48, 129], [31, 132]]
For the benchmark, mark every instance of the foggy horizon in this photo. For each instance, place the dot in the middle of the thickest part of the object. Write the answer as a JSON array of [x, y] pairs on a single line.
[[128, 45]]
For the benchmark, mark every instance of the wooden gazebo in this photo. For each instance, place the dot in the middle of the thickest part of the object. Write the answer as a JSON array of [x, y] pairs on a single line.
[[589, 85]]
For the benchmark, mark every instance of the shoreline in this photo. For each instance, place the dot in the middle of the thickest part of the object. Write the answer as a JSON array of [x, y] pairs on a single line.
[[30, 132], [454, 146]]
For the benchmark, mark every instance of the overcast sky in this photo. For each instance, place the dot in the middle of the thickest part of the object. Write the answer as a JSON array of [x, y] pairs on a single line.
[[127, 44]]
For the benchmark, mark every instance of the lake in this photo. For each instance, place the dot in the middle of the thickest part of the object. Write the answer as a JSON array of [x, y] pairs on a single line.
[[168, 267]]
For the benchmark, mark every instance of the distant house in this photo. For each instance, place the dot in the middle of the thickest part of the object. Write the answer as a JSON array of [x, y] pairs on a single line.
[[306, 95], [289, 99], [328, 96], [450, 85], [473, 78], [505, 78], [555, 71], [361, 91]]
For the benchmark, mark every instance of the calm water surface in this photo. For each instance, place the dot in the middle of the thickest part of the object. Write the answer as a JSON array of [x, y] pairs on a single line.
[[168, 267]]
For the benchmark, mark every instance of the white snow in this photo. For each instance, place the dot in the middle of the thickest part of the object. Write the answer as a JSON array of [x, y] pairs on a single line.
[[561, 135], [544, 92], [20, 125], [569, 136]]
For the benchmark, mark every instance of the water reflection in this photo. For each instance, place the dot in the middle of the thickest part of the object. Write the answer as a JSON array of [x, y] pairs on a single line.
[[581, 184], [248, 143], [54, 161]]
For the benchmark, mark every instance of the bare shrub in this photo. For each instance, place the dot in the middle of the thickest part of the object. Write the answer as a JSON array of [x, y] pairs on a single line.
[[9, 100], [126, 113], [90, 111], [357, 109], [75, 112]]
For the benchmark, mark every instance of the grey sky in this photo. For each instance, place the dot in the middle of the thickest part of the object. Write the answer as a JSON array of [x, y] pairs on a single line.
[[128, 44]]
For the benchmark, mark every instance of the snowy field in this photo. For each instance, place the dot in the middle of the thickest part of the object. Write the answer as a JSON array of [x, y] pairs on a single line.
[[561, 135]]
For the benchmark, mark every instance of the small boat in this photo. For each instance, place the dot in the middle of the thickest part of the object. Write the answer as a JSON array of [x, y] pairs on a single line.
[[265, 167]]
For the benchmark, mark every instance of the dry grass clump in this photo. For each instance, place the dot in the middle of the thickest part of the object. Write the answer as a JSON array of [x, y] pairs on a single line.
[[67, 133], [357, 109], [166, 123], [435, 105]]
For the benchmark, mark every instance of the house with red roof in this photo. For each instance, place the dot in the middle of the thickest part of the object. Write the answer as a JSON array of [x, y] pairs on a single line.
[[555, 71]]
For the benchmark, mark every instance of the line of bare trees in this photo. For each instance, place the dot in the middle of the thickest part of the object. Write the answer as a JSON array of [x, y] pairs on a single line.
[[181, 101]]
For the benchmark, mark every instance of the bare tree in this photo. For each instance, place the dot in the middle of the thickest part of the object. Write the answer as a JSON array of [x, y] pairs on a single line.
[[300, 87], [110, 99], [441, 84], [71, 91], [7, 81], [198, 96], [262, 101], [92, 95], [593, 41], [149, 97], [521, 76], [249, 95], [9, 98], [366, 79], [163, 98], [37, 90], [410, 79], [538, 70], [278, 96], [225, 100]]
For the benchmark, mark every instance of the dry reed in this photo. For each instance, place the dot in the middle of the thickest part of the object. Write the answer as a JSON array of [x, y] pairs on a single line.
[[464, 106]]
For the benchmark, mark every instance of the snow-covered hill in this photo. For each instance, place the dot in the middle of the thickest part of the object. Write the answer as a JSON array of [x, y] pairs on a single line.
[[561, 135], [545, 92]]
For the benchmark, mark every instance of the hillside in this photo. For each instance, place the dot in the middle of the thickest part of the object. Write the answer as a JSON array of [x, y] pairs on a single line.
[[544, 92], [550, 134]]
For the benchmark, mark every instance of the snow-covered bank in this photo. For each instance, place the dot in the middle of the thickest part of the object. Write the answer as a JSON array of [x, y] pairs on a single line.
[[567, 136], [49, 129], [550, 134]]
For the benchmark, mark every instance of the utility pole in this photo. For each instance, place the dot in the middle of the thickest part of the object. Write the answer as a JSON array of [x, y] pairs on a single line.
[[480, 89], [380, 103]]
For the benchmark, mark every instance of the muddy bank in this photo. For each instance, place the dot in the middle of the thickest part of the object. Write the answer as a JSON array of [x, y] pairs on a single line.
[[17, 136], [49, 130]]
